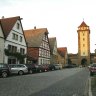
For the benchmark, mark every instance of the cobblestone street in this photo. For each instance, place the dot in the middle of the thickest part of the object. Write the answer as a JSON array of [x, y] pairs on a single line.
[[67, 82]]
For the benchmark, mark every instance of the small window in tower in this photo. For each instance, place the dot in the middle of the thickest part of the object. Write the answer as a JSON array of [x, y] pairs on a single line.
[[83, 53], [83, 45], [83, 39], [87, 27], [83, 34]]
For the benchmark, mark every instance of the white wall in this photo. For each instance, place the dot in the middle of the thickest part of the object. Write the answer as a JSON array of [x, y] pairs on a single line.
[[1, 46], [17, 43]]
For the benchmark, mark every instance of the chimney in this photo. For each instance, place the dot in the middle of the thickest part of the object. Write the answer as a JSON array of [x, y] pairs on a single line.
[[34, 27], [2, 17]]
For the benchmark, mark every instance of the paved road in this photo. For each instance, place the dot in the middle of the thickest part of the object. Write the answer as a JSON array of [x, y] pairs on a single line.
[[67, 82]]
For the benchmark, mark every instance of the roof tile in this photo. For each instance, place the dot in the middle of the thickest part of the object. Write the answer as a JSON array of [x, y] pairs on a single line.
[[7, 24], [83, 24], [62, 51], [34, 36]]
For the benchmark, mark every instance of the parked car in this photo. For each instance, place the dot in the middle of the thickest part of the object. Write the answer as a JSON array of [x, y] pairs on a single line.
[[4, 70], [51, 67], [70, 66], [58, 66], [92, 69], [32, 68], [44, 67], [19, 69]]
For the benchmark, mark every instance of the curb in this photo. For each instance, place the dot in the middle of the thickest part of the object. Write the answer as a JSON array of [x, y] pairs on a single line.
[[90, 92]]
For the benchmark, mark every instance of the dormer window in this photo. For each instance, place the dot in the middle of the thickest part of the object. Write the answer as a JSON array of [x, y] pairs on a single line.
[[18, 26]]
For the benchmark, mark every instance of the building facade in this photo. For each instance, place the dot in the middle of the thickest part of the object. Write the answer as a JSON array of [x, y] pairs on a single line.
[[15, 43], [62, 55], [83, 44], [53, 49], [38, 46]]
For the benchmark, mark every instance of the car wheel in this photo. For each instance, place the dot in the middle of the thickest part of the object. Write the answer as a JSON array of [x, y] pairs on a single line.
[[53, 69], [40, 71], [30, 71], [4, 74], [20, 72]]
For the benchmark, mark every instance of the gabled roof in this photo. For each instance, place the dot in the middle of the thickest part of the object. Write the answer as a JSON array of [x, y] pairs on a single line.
[[62, 51], [52, 41], [34, 36], [83, 24], [2, 30], [7, 24]]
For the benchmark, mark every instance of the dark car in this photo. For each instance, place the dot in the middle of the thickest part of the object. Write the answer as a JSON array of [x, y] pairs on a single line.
[[92, 69], [32, 68], [70, 66], [51, 67], [4, 70]]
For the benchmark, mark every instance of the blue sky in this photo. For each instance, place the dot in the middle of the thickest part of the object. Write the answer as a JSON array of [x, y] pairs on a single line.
[[60, 17]]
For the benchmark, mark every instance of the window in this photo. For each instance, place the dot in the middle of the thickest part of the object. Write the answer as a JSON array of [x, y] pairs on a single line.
[[83, 34], [22, 50], [15, 36], [20, 38], [83, 45], [83, 39], [83, 53], [18, 26], [9, 48], [12, 48]]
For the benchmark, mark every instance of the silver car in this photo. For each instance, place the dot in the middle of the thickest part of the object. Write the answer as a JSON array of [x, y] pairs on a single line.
[[19, 69], [58, 66]]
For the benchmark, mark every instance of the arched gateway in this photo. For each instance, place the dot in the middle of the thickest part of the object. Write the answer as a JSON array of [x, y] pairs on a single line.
[[84, 62]]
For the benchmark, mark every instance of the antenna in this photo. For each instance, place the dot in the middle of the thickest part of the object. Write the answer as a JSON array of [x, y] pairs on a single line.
[[83, 19]]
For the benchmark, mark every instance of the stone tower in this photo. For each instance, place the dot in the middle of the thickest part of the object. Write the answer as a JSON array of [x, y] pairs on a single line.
[[83, 44]]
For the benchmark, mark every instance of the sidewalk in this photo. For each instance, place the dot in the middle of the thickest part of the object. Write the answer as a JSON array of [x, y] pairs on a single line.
[[92, 86]]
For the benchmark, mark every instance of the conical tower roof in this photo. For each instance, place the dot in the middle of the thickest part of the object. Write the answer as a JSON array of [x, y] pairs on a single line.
[[83, 24]]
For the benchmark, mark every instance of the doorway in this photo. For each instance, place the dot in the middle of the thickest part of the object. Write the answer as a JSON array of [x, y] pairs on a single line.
[[84, 62]]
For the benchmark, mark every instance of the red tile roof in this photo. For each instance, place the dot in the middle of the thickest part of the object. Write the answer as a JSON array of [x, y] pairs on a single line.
[[34, 36], [83, 24], [62, 51], [8, 23]]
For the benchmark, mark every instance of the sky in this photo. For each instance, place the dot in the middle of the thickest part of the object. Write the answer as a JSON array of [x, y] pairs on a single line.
[[60, 17]]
